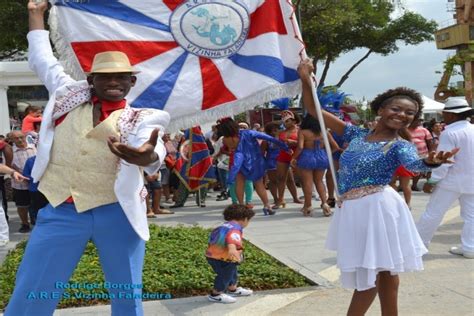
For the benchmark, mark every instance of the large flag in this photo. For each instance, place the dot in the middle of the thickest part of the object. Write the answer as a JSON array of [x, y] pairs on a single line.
[[198, 59]]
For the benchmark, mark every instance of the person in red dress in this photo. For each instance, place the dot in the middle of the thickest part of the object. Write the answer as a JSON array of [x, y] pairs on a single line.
[[290, 137]]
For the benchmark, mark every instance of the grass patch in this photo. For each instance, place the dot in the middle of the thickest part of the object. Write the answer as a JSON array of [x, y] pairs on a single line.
[[174, 264]]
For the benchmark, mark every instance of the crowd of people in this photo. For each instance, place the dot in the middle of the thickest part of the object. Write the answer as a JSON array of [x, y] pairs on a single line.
[[82, 178]]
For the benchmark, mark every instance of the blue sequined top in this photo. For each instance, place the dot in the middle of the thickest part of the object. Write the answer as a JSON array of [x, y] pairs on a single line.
[[366, 163]]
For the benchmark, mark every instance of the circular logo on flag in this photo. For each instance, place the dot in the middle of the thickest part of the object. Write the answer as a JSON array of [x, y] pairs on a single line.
[[214, 29]]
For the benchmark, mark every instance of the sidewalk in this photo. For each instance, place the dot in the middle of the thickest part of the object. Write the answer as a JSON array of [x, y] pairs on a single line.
[[446, 287]]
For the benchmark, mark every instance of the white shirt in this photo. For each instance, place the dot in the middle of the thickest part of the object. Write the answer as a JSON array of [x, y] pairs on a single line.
[[129, 186], [459, 176]]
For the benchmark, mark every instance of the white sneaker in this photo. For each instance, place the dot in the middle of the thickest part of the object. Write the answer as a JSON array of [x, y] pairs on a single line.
[[4, 242], [222, 298], [240, 291], [458, 251]]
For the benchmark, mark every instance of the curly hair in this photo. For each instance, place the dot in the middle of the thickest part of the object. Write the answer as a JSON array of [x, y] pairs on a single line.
[[270, 126], [237, 212], [398, 93], [227, 127]]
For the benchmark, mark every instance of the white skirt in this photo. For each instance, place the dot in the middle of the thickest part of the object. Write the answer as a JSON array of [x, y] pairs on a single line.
[[372, 234]]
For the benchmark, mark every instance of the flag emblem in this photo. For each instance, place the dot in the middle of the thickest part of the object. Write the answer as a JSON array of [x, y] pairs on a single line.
[[212, 30]]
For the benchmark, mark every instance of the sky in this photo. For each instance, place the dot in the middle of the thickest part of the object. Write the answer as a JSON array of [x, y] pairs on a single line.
[[411, 66]]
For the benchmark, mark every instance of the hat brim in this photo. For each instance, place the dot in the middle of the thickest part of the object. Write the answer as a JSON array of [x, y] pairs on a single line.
[[457, 111], [113, 70]]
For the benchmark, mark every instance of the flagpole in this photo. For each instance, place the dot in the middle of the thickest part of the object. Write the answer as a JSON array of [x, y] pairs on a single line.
[[317, 105], [319, 114], [324, 133]]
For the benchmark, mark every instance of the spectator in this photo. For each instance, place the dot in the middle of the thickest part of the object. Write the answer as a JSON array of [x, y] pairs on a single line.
[[6, 157], [222, 158], [436, 130], [170, 160], [154, 191], [423, 141], [37, 199], [21, 152], [4, 235], [32, 115]]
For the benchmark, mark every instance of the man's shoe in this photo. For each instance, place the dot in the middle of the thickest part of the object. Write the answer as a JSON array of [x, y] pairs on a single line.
[[458, 251], [222, 298], [240, 291], [25, 228]]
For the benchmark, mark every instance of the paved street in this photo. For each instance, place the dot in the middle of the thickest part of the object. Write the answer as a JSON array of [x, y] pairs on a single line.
[[446, 287]]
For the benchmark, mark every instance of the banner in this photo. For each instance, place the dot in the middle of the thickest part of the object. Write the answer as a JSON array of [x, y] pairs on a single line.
[[195, 170], [198, 59]]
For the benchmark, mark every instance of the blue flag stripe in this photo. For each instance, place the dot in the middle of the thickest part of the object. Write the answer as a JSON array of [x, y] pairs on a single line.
[[265, 65], [115, 10], [158, 93]]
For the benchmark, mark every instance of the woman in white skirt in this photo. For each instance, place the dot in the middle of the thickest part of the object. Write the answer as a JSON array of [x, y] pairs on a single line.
[[373, 231]]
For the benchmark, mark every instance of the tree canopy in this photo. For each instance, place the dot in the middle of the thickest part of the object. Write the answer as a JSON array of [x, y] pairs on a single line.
[[14, 26], [333, 28]]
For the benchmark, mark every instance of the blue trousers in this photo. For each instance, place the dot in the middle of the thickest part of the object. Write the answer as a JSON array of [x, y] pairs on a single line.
[[226, 274], [57, 243]]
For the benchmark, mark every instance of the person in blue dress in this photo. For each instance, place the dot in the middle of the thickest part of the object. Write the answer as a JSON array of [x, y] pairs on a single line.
[[271, 151], [373, 231], [311, 159], [247, 161]]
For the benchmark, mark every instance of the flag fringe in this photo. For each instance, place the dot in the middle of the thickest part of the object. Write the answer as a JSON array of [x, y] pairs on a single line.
[[65, 53], [235, 107]]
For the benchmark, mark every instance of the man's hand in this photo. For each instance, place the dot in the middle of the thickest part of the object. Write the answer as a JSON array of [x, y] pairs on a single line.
[[36, 10], [141, 156], [428, 188], [441, 157]]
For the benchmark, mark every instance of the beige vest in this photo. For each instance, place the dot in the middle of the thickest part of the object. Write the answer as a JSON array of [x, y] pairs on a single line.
[[81, 164]]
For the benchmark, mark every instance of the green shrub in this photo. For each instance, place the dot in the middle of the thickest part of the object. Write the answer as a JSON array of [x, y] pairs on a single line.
[[174, 265]]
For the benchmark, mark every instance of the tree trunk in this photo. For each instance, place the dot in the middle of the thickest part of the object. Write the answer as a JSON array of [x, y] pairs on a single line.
[[325, 71], [346, 75]]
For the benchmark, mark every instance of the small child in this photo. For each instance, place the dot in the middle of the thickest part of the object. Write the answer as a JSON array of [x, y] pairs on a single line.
[[224, 254]]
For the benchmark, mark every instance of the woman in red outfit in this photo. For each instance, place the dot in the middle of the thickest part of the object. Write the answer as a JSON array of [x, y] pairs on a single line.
[[290, 137]]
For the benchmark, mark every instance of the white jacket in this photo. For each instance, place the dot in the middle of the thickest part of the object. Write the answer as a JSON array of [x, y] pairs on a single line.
[[459, 176], [129, 185]]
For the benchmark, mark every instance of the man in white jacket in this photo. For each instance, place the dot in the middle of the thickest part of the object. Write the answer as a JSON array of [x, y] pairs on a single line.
[[452, 182], [93, 145]]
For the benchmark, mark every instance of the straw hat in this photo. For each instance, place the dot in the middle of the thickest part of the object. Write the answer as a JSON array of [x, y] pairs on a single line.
[[456, 105], [111, 62]]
